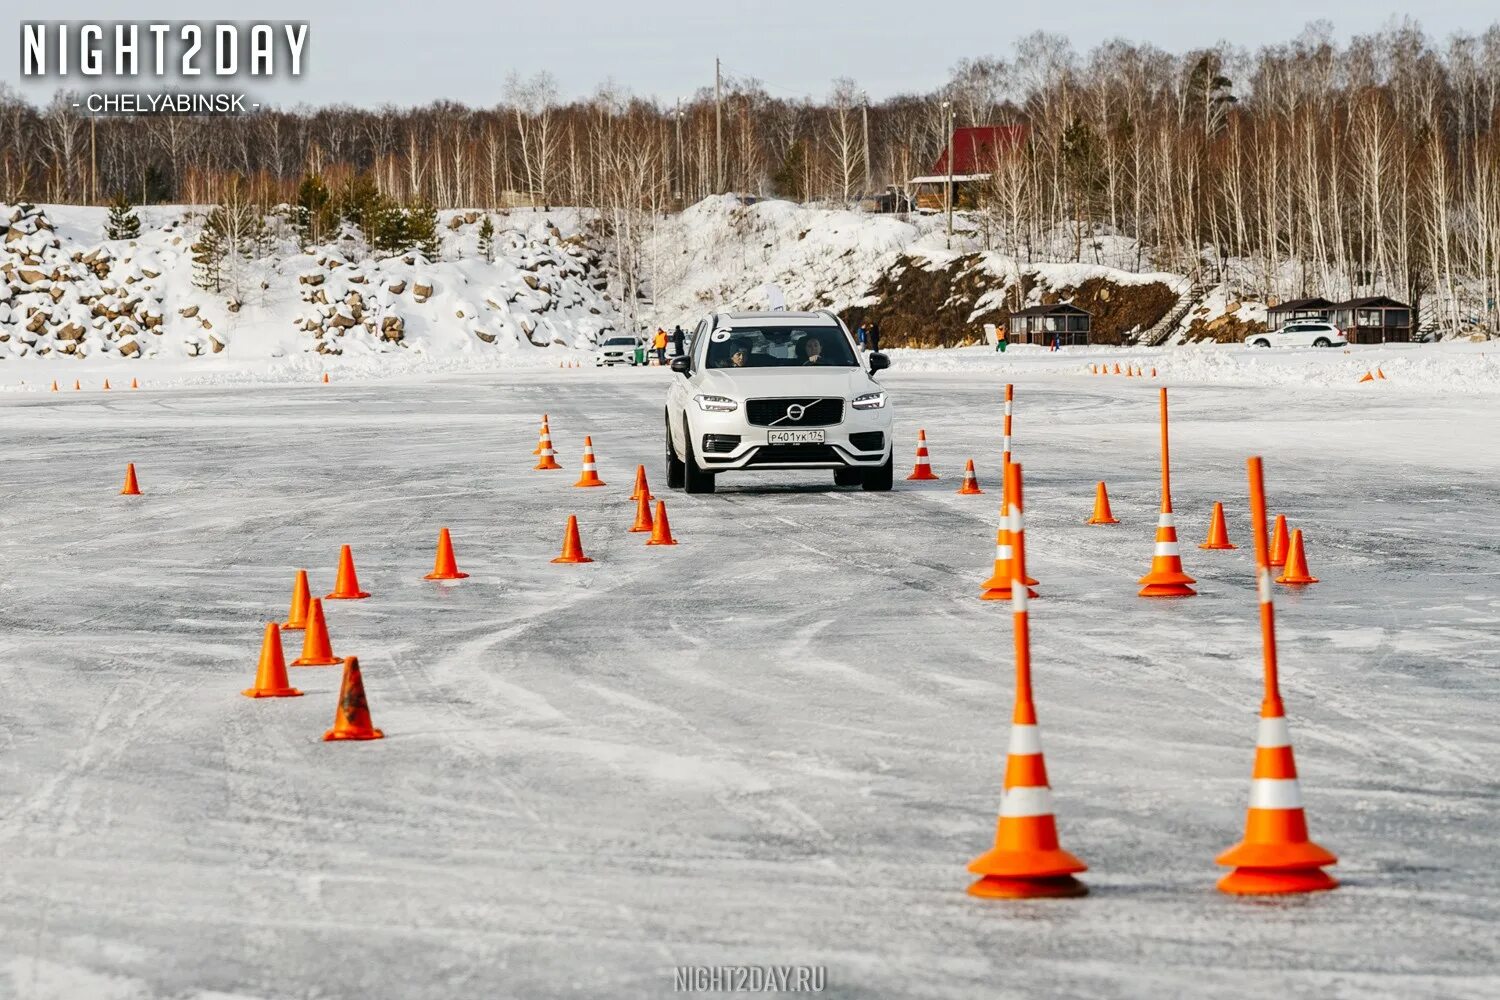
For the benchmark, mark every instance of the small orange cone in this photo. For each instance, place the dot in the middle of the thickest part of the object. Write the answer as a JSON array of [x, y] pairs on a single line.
[[106, 385], [317, 651], [1117, 367], [538, 449], [54, 385], [1378, 374], [1295, 572], [640, 483], [923, 468], [1129, 372], [1102, 513], [296, 616], [270, 676], [445, 567], [135, 384], [1166, 578], [77, 386], [346, 584], [325, 378], [643, 520], [1276, 855], [590, 474], [351, 720], [572, 544], [547, 459], [1218, 531], [1279, 542], [1367, 377], [661, 531], [1027, 862], [1153, 373], [132, 488], [971, 484]]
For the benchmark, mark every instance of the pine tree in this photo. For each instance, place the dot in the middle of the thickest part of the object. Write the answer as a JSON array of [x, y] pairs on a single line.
[[361, 203], [387, 227], [487, 239], [313, 216], [422, 230], [123, 223], [208, 254]]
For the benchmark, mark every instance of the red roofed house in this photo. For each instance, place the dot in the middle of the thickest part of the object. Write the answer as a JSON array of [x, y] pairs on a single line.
[[976, 153]]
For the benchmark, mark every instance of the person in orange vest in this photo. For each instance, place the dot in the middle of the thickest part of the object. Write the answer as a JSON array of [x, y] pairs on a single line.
[[660, 344]]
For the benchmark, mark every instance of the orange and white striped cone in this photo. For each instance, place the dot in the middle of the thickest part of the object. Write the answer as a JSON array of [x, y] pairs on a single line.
[[1010, 397], [546, 458], [1027, 861], [590, 474], [923, 468], [971, 482], [544, 432], [1166, 578], [1276, 855], [998, 586]]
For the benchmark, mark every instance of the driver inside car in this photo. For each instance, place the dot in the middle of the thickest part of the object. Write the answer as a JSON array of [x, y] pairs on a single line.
[[812, 351]]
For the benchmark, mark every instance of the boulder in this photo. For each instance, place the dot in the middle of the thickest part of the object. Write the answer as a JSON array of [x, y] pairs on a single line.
[[188, 312], [70, 332], [421, 291], [311, 278], [392, 328], [396, 287], [488, 338], [130, 349], [216, 342]]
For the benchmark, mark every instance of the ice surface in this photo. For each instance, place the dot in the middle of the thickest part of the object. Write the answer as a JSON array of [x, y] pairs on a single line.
[[778, 742]]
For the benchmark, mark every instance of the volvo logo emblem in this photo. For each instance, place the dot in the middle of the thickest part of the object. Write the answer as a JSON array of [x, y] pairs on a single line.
[[795, 411]]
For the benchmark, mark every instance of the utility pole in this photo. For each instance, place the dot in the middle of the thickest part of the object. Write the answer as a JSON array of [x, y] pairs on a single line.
[[718, 129], [681, 166], [948, 189], [864, 114]]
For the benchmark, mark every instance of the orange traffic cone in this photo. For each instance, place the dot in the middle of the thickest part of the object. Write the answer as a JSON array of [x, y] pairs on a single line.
[[538, 449], [998, 586], [1102, 513], [590, 474], [296, 616], [1026, 862], [346, 584], [1367, 377], [270, 675], [135, 384], [1153, 373], [1129, 372], [1276, 855], [106, 385], [77, 385], [1218, 531], [640, 483], [1380, 374], [923, 468], [317, 650], [1166, 578], [132, 488], [325, 378], [547, 459], [351, 720], [661, 531], [1295, 572], [54, 385], [643, 520], [572, 544], [1279, 542], [971, 484], [445, 567], [1117, 367]]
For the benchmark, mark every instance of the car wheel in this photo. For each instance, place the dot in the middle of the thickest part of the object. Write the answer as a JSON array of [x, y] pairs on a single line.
[[848, 477], [1260, 343], [675, 468], [694, 479], [1322, 342], [879, 480]]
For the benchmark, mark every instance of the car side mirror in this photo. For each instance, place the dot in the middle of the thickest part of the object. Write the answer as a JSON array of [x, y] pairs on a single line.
[[682, 365], [878, 362]]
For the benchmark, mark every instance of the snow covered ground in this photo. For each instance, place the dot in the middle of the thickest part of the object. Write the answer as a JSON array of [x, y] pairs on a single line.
[[778, 742]]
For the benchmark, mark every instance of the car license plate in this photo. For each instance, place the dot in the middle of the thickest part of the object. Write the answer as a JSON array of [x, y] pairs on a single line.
[[795, 437]]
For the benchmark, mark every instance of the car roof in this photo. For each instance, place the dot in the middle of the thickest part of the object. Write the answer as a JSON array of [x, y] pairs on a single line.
[[778, 318]]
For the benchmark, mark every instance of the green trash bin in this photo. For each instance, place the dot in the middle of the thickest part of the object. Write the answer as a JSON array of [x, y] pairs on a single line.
[[640, 355]]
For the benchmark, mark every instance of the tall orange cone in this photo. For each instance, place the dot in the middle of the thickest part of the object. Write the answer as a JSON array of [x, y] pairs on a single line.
[[538, 449], [998, 586], [1153, 373], [1218, 531], [640, 483], [1279, 542], [77, 385], [135, 383], [445, 567], [1295, 571], [923, 468], [1026, 862], [590, 474], [317, 650], [1102, 513], [132, 488], [1166, 578], [54, 385], [661, 531], [1010, 397], [572, 544], [643, 520], [270, 675], [106, 385], [1276, 855], [346, 584], [546, 458], [971, 484], [351, 720], [296, 616]]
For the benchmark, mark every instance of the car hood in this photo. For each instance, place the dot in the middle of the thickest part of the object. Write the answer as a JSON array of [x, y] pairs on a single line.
[[762, 383]]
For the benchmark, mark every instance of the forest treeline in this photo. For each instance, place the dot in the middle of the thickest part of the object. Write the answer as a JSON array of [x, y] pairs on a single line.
[[1309, 167]]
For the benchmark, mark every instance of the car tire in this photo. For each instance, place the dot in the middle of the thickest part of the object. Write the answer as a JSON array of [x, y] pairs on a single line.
[[694, 479], [676, 471], [878, 480], [848, 477], [1260, 343], [1322, 342]]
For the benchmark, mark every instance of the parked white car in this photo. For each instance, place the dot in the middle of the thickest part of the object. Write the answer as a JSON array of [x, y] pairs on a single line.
[[1300, 333], [776, 390], [617, 351]]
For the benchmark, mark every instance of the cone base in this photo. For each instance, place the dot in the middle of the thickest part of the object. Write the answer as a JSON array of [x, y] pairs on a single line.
[[272, 693], [289, 627], [1276, 881], [970, 493], [572, 559], [1297, 581], [1167, 590], [1281, 856], [636, 528], [1057, 887], [358, 595], [584, 486], [1101, 520], [330, 662], [919, 475], [446, 576], [130, 493], [1002, 593], [546, 465], [662, 541], [1215, 545], [369, 734]]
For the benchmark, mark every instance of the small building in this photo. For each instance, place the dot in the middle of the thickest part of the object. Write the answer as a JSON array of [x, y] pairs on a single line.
[[1297, 310], [1377, 319], [976, 153], [1063, 322]]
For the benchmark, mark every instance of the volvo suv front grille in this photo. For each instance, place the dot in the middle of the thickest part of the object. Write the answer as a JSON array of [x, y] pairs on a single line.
[[804, 411]]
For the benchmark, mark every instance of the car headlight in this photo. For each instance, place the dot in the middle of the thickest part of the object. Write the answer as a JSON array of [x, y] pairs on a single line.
[[869, 401], [716, 404]]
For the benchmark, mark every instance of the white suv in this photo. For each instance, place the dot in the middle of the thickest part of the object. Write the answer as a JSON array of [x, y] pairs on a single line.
[[776, 390], [1300, 333], [617, 350]]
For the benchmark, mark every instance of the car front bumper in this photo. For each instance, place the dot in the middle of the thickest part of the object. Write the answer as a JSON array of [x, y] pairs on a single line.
[[725, 441]]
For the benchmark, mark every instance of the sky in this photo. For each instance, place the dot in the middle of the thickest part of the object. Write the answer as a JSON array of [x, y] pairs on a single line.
[[406, 53]]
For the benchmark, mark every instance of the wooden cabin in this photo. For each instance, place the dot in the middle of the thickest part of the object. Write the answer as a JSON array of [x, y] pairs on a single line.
[[1376, 319], [1064, 322], [976, 154], [1298, 310]]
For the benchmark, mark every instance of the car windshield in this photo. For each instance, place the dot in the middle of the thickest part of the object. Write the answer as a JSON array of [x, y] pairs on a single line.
[[619, 341], [779, 347]]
